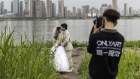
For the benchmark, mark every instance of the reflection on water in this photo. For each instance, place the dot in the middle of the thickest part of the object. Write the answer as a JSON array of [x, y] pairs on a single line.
[[130, 29], [79, 29]]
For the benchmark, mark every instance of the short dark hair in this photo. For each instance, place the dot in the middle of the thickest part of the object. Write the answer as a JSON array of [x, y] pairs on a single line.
[[64, 25], [111, 15]]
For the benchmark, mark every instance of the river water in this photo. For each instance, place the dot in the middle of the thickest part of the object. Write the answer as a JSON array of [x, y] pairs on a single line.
[[79, 29]]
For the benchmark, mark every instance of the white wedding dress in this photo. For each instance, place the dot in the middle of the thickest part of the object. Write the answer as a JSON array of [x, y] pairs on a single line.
[[61, 60]]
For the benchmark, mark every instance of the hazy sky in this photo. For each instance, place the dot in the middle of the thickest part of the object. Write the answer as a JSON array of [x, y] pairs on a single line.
[[93, 3]]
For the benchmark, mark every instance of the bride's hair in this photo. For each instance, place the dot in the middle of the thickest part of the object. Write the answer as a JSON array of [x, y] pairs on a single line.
[[56, 32]]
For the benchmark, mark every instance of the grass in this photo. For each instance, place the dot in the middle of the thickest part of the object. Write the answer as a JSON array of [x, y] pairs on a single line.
[[26, 60], [49, 44], [126, 44], [129, 66], [84, 66], [2, 19], [33, 60], [79, 44], [132, 43]]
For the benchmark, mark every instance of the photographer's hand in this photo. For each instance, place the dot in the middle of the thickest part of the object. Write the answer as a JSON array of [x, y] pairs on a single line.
[[97, 29]]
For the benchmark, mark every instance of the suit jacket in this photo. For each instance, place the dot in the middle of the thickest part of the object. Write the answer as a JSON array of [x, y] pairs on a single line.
[[66, 41]]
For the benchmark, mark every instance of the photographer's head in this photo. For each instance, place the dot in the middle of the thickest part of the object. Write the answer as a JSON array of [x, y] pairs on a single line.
[[110, 18], [64, 26]]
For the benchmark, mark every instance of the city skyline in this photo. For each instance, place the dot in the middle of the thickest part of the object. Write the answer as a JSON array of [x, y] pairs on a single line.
[[51, 9], [95, 3]]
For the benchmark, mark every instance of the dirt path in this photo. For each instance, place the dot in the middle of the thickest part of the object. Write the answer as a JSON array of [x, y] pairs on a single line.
[[78, 55]]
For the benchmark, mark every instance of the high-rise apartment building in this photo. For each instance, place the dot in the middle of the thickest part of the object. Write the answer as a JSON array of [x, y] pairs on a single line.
[[21, 9], [38, 8], [125, 9], [65, 12], [85, 10], [12, 7], [114, 5], [61, 7], [74, 11], [16, 7], [1, 7], [79, 13], [26, 10], [53, 10], [43, 9], [49, 8], [130, 11], [32, 8]]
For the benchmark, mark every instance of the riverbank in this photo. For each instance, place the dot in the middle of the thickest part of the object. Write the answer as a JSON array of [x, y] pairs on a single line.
[[45, 18], [129, 65], [26, 60], [78, 55], [2, 20], [70, 18], [81, 61], [31, 59]]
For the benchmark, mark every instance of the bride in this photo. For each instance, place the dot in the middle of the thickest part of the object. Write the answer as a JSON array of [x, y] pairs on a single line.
[[61, 60]]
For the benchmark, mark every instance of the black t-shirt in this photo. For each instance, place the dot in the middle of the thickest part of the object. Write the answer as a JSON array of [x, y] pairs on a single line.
[[106, 49]]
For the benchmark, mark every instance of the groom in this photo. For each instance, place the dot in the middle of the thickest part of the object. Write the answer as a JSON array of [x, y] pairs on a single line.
[[66, 43]]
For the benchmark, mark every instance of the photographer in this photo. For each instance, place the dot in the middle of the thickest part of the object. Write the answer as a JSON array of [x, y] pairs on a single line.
[[106, 48]]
